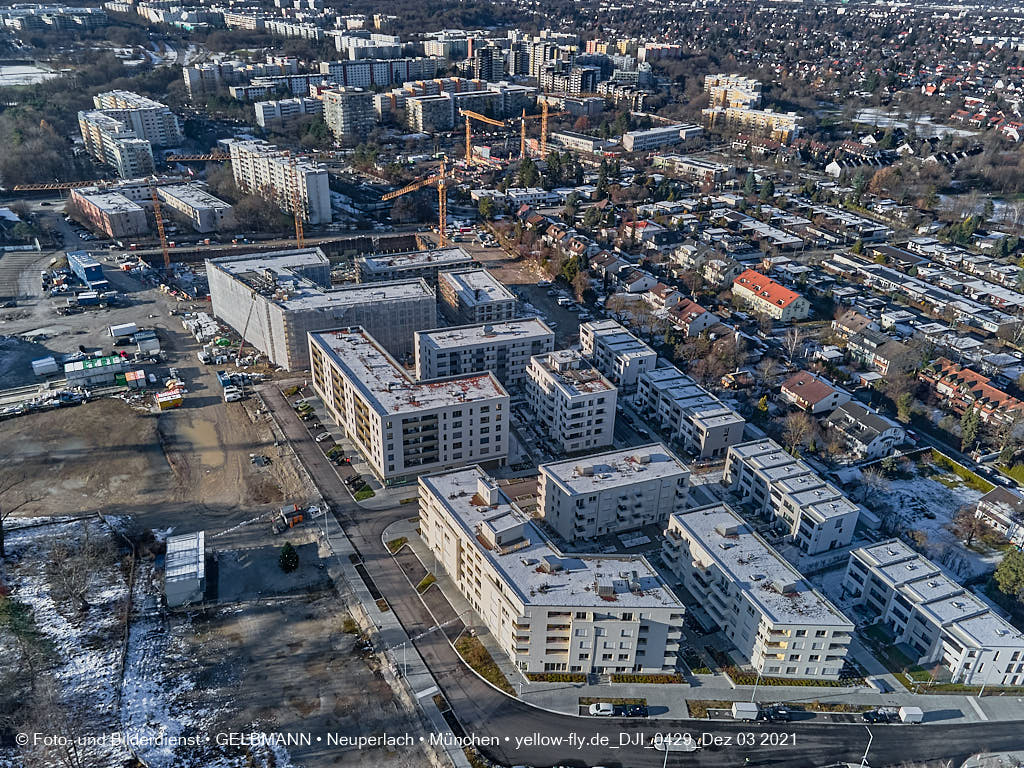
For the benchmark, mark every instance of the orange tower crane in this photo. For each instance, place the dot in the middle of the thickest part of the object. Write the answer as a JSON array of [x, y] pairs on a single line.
[[160, 229], [543, 117], [296, 202], [441, 179], [469, 115]]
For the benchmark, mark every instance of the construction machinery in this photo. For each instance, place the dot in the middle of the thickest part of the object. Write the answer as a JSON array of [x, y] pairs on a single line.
[[441, 180], [469, 115], [158, 215], [545, 113]]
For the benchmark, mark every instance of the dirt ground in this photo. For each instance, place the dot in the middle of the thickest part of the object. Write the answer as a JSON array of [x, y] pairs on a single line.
[[288, 666]]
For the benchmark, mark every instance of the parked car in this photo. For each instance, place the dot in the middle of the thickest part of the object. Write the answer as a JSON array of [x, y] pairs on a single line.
[[602, 710], [636, 710], [881, 716], [777, 713], [322, 436]]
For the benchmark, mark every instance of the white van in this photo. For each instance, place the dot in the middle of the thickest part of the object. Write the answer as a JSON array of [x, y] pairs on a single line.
[[231, 394]]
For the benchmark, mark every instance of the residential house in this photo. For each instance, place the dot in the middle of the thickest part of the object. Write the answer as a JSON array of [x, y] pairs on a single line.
[[865, 433], [812, 393], [691, 318], [962, 389], [1003, 510], [762, 294]]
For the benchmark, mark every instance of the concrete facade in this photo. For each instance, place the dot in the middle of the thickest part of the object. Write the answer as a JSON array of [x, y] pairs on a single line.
[[572, 400]]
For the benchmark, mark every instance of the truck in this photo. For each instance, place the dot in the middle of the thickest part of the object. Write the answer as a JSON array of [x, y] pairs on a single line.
[[747, 711], [286, 517], [911, 714]]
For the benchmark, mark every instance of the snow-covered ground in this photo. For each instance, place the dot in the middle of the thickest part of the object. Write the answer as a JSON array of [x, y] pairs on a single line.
[[925, 504], [149, 705]]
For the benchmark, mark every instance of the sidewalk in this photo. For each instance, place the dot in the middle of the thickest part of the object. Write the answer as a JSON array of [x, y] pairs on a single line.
[[670, 700]]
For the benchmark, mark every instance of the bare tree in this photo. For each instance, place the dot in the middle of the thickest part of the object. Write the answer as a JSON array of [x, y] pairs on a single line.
[[873, 483], [62, 725], [967, 525], [798, 429], [72, 565], [12, 498], [793, 342]]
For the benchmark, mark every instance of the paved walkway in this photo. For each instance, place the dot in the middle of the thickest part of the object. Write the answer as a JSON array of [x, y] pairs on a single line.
[[670, 700]]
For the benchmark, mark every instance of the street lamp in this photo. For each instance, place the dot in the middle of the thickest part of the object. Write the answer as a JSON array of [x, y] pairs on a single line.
[[754, 692]]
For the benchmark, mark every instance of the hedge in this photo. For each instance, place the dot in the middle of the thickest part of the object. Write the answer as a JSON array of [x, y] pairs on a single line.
[[652, 679], [556, 677]]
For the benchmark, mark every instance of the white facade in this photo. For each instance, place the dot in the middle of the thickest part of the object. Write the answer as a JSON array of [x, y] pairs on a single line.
[[939, 619], [778, 622], [202, 210], [274, 299], [284, 111], [111, 140], [348, 112], [572, 400], [612, 492], [503, 348], [147, 119], [815, 515], [261, 168], [550, 612], [402, 427], [662, 136], [695, 418], [616, 352]]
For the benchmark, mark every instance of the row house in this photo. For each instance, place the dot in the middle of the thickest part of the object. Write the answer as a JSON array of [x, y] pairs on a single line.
[[962, 389]]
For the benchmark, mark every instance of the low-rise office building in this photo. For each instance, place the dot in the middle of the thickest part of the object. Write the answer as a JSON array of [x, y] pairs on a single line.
[[616, 352], [550, 612], [109, 211], [474, 296], [779, 623], [932, 614], [403, 427], [274, 299], [378, 267], [815, 515], [572, 400], [502, 348], [696, 419], [612, 492]]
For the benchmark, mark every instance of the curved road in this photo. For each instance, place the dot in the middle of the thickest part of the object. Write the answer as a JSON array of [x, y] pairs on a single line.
[[559, 739]]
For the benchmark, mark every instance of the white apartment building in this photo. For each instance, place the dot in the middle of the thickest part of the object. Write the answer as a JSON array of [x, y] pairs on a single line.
[[402, 427], [662, 136], [197, 206], [111, 141], [503, 348], [695, 418], [616, 352], [815, 515], [261, 168], [1003, 510], [147, 119], [550, 612], [732, 90], [613, 492], [281, 112], [274, 299], [348, 112], [932, 614], [474, 296], [779, 623], [572, 400], [377, 267]]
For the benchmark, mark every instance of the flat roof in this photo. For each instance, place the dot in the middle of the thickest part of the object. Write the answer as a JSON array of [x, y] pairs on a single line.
[[186, 557], [195, 196], [615, 468], [572, 374], [485, 333], [617, 339], [388, 387], [759, 571], [531, 565], [383, 262], [476, 287], [108, 201]]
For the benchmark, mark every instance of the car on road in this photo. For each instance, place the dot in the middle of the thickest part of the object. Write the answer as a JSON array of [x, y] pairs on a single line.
[[322, 436], [881, 716], [602, 710], [636, 710], [777, 713]]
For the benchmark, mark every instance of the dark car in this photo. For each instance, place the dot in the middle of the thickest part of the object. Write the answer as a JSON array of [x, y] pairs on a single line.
[[880, 716], [636, 710], [777, 714]]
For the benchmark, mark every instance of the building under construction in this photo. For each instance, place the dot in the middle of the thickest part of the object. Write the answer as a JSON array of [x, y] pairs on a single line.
[[274, 299]]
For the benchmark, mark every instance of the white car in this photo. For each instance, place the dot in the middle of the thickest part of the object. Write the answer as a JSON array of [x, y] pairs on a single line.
[[602, 710], [322, 436]]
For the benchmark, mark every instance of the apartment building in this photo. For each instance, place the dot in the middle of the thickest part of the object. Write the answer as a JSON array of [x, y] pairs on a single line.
[[942, 622], [282, 112], [962, 389], [108, 211], [573, 402], [662, 136], [377, 267], [348, 112], [204, 212], [612, 492], [474, 296], [616, 353], [274, 299], [725, 90], [694, 169], [696, 419], [549, 611], [111, 141], [778, 126], [379, 72], [763, 295], [814, 514], [261, 168], [779, 623], [503, 348], [406, 428], [147, 119]]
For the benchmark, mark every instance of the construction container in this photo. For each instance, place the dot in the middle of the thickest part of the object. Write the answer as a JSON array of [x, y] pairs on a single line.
[[95, 370], [136, 379], [45, 366], [167, 400], [124, 329], [745, 710], [911, 714], [88, 299]]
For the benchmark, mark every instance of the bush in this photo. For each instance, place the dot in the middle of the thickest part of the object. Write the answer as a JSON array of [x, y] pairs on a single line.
[[288, 560], [366, 493], [349, 626], [556, 677], [425, 583], [649, 679], [396, 544]]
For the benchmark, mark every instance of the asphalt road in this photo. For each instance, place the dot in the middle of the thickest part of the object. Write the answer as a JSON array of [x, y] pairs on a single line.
[[558, 739]]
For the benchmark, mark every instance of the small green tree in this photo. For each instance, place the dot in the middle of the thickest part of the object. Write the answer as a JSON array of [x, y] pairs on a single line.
[[1009, 575], [904, 403], [969, 424], [486, 208], [289, 558]]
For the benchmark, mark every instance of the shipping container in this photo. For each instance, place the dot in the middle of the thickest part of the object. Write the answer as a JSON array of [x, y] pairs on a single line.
[[45, 366], [123, 329]]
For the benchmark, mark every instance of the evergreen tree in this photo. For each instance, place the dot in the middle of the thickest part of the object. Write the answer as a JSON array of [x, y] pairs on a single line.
[[289, 558]]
